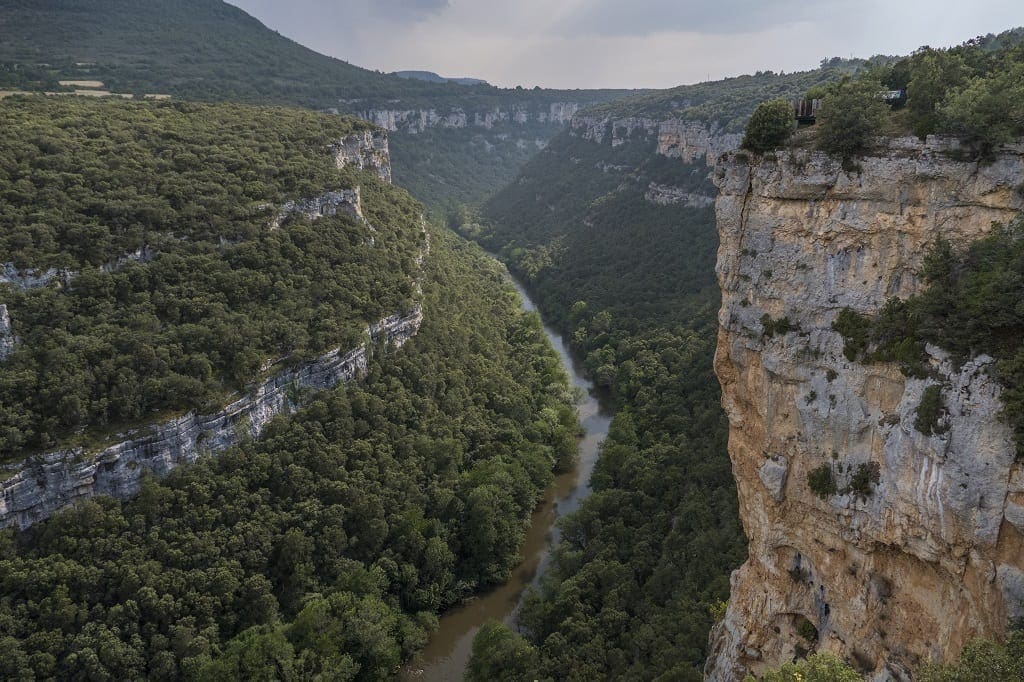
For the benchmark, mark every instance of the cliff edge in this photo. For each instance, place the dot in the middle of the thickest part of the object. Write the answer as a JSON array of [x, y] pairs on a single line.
[[920, 546]]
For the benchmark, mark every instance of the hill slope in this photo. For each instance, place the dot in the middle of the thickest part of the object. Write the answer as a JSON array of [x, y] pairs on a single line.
[[210, 50]]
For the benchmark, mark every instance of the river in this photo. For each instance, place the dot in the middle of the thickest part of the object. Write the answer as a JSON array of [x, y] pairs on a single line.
[[447, 653]]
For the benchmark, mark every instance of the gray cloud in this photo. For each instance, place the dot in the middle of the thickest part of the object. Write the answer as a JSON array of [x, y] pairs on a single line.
[[408, 10], [622, 43], [642, 17]]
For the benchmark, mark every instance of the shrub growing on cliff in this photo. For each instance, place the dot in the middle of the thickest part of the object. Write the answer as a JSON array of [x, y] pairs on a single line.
[[982, 660], [781, 326], [867, 476], [930, 411], [821, 667], [770, 126], [855, 330], [822, 482]]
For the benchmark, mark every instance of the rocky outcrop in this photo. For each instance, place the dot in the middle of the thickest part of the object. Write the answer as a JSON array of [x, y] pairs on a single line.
[[37, 278], [7, 339], [616, 130], [346, 201], [689, 141], [32, 278], [926, 551], [367, 150], [143, 254], [38, 487], [667, 195], [694, 140]]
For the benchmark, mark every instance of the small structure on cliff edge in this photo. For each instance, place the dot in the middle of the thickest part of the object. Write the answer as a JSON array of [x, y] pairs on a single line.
[[805, 111]]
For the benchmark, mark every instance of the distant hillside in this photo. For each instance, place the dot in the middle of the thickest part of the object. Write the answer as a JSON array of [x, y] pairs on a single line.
[[210, 50], [432, 77]]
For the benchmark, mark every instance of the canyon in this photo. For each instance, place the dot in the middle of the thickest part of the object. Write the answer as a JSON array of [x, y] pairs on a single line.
[[928, 555]]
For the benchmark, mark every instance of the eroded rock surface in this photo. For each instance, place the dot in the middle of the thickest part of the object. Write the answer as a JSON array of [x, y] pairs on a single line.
[[41, 485], [689, 141], [931, 555], [367, 150], [418, 120], [7, 339]]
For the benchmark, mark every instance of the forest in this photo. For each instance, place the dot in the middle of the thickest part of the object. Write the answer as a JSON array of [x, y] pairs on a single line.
[[325, 549], [645, 561], [111, 342]]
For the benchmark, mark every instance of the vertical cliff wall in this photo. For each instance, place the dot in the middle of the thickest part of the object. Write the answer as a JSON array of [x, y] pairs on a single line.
[[933, 555], [418, 120], [687, 140]]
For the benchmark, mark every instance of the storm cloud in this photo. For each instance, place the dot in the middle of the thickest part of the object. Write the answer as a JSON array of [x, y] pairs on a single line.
[[622, 43]]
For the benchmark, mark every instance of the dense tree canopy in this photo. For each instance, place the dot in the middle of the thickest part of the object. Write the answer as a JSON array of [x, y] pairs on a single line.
[[851, 116], [770, 126], [325, 549], [114, 341]]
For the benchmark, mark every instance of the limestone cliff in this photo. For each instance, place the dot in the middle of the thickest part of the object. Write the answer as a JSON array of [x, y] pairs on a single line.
[[418, 120], [7, 339], [933, 554], [346, 201], [687, 140], [368, 150], [41, 485], [33, 489]]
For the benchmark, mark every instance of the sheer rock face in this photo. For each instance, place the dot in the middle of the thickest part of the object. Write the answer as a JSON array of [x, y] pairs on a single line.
[[367, 150], [933, 556], [7, 339], [689, 141], [346, 201], [36, 488], [666, 195], [418, 120]]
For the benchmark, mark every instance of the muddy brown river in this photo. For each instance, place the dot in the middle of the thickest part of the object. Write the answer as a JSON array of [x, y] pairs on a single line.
[[447, 653]]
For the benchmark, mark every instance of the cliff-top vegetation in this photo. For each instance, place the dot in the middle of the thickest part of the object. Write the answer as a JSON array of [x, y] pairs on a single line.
[[974, 91], [212, 293]]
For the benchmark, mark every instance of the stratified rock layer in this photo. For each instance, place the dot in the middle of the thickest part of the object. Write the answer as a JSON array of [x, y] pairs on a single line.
[[418, 120], [933, 556], [41, 485], [689, 141]]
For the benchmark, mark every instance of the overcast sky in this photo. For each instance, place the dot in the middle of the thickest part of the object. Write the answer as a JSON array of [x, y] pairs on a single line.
[[622, 43]]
